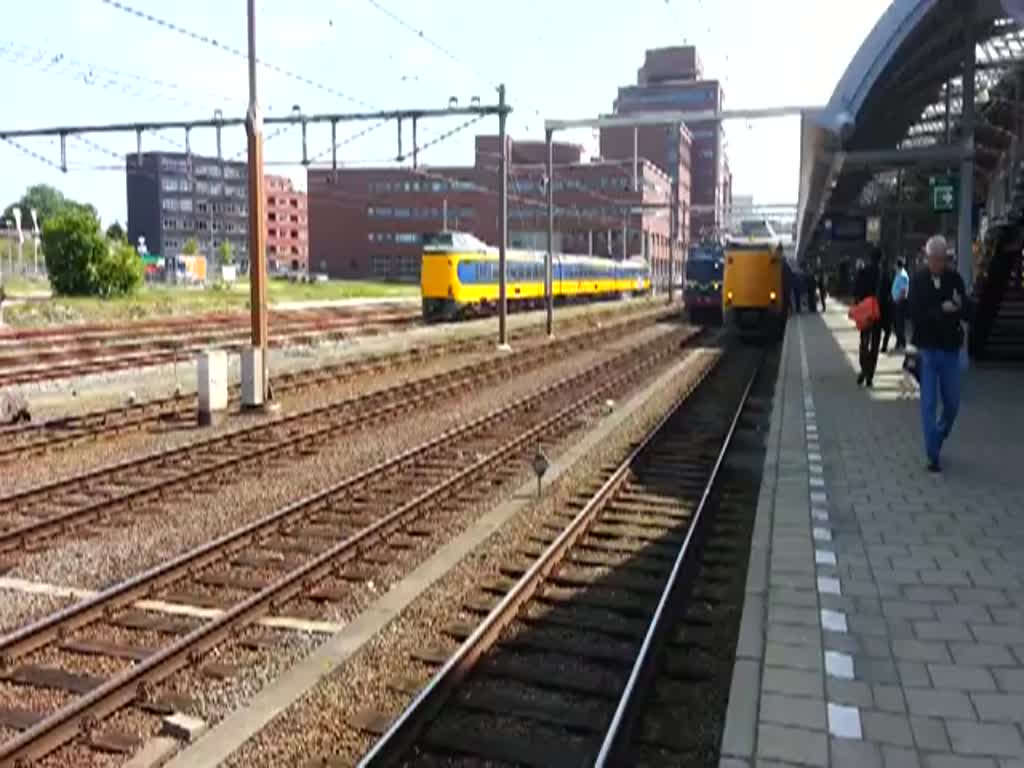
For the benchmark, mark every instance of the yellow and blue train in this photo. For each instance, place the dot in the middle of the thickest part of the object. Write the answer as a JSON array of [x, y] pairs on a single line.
[[753, 298], [459, 277]]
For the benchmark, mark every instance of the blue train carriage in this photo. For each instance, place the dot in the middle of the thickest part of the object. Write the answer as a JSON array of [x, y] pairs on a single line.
[[702, 294], [459, 277]]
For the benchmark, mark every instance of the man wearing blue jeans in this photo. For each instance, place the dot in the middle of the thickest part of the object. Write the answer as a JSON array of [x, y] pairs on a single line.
[[937, 309]]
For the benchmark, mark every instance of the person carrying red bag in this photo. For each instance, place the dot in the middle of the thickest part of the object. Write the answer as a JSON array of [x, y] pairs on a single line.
[[867, 286]]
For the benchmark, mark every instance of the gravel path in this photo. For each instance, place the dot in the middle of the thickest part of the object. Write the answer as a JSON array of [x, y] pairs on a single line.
[[318, 724], [143, 541]]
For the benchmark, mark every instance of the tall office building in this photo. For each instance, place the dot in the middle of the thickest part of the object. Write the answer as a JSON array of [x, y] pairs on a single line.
[[672, 79]]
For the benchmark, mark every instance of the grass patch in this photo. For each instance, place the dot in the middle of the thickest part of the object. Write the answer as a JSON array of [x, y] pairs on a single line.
[[167, 301]]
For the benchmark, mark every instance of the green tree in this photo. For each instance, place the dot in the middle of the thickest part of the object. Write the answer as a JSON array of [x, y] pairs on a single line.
[[116, 232], [80, 260], [120, 271], [47, 201], [226, 253], [191, 247]]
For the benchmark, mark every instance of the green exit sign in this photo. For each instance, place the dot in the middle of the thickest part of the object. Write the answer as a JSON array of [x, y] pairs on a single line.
[[942, 191]]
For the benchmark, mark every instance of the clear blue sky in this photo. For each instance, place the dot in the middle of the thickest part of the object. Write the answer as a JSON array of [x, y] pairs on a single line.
[[83, 61]]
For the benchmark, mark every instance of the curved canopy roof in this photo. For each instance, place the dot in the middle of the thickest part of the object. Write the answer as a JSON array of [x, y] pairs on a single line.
[[893, 96]]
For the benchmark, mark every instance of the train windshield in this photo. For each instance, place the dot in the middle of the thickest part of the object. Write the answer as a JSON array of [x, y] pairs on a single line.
[[704, 264], [446, 241], [756, 228]]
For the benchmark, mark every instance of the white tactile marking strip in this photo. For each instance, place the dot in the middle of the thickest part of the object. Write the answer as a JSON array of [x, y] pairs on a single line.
[[843, 721]]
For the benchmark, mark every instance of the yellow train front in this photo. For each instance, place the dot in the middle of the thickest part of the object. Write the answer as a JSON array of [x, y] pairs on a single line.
[[752, 291], [459, 277]]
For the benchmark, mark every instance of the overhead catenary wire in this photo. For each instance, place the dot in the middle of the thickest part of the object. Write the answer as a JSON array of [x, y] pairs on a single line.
[[108, 78], [32, 153], [229, 49], [431, 42]]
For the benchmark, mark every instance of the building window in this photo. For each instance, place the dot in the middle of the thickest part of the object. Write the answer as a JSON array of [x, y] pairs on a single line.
[[185, 204], [408, 238], [169, 204]]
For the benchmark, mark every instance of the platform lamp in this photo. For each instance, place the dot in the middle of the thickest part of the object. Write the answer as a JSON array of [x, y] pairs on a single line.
[[35, 240], [21, 237]]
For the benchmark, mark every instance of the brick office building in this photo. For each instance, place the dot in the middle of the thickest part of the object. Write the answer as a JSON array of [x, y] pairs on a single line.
[[369, 222], [671, 79], [287, 224]]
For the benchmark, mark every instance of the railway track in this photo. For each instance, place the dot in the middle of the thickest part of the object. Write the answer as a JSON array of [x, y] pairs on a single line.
[[306, 552], [32, 518], [601, 644], [62, 433], [28, 359]]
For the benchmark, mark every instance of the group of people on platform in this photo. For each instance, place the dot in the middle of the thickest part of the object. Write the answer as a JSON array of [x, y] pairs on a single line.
[[804, 288], [936, 303]]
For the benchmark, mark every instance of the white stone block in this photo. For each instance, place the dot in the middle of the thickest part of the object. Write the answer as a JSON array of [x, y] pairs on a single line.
[[183, 727], [212, 384]]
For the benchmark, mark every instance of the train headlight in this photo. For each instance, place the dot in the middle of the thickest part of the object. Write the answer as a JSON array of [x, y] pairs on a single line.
[[728, 297], [772, 296]]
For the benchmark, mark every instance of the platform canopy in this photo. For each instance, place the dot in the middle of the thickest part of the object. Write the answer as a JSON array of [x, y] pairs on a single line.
[[889, 108]]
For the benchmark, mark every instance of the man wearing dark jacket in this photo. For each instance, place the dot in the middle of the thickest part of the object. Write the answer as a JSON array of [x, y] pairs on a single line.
[[938, 309], [866, 285]]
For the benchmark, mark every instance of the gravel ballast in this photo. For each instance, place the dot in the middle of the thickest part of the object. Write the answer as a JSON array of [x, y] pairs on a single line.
[[318, 724]]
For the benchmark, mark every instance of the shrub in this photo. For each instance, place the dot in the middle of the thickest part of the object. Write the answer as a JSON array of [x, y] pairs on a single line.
[[74, 247], [120, 272], [81, 262]]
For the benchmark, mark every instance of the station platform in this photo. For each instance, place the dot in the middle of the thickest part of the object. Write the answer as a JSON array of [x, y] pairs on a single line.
[[883, 623]]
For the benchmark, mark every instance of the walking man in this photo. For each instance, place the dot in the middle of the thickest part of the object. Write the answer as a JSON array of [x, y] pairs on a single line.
[[938, 310], [900, 291], [867, 285]]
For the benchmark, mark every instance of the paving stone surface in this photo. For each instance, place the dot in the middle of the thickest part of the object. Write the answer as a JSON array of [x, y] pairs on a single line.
[[885, 622]]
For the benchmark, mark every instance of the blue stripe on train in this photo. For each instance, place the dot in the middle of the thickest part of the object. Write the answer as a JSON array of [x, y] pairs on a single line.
[[476, 272]]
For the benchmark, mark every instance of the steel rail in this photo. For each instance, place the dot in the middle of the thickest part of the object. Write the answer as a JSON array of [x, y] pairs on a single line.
[[468, 372], [404, 731], [15, 538], [135, 682], [74, 429], [624, 720], [27, 638]]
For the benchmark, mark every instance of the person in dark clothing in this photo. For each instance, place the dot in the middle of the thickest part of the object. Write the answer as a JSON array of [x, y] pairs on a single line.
[[787, 289], [885, 304], [812, 291], [866, 285], [798, 279], [938, 309], [822, 289]]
